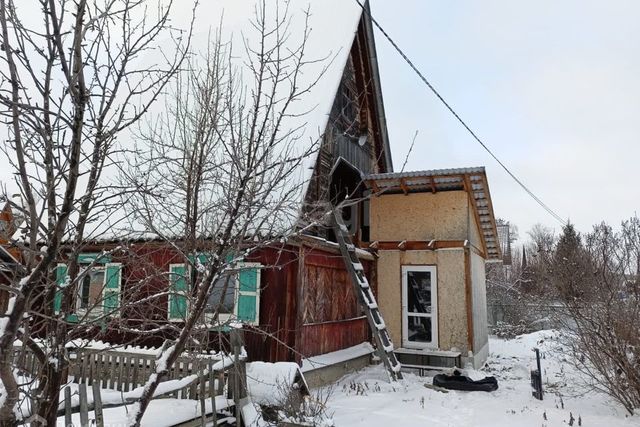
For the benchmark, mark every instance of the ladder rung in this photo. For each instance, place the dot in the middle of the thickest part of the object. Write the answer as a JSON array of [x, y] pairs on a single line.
[[366, 298]]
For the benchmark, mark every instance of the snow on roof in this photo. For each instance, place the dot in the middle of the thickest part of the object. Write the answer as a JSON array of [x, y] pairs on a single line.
[[336, 357], [268, 383], [333, 25]]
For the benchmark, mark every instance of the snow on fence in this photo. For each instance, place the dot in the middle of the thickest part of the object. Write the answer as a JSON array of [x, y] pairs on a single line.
[[122, 371], [82, 402], [103, 379]]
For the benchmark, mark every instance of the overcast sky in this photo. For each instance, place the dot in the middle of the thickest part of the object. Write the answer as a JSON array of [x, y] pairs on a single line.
[[553, 87]]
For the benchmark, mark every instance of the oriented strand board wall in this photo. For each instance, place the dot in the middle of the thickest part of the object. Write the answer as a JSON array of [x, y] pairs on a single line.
[[451, 293], [474, 231], [479, 296], [420, 216]]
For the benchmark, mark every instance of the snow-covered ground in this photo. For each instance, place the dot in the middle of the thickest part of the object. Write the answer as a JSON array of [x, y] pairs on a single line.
[[367, 399]]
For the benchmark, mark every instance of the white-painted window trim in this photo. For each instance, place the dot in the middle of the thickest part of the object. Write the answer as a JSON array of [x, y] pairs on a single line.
[[226, 317], [434, 308]]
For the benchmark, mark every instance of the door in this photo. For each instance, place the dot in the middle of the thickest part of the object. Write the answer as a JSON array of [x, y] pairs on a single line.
[[419, 307]]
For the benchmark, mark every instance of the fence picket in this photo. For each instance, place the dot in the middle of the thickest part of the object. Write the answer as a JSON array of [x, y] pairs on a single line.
[[203, 406], [114, 360], [134, 374], [125, 373], [67, 406], [212, 394], [97, 404], [84, 408]]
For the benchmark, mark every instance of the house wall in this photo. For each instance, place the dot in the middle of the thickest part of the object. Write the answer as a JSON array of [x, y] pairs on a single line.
[[452, 324], [479, 304], [329, 318], [424, 216], [443, 216]]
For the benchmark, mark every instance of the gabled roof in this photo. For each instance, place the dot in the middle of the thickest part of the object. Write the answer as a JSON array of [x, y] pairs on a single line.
[[472, 180], [334, 26]]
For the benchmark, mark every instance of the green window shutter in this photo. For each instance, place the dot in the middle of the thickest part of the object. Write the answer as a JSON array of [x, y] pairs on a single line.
[[247, 308], [112, 287], [178, 292], [61, 282]]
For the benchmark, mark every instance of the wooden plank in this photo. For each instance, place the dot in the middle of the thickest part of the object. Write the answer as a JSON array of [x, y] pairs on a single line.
[[134, 375], [84, 408], [203, 406], [84, 372], [125, 373], [120, 372], [67, 406], [113, 369], [97, 404], [97, 371], [193, 390], [468, 298], [212, 394], [420, 245], [403, 186]]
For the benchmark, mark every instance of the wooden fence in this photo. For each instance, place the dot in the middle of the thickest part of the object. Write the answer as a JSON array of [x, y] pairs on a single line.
[[122, 371], [202, 388], [197, 377]]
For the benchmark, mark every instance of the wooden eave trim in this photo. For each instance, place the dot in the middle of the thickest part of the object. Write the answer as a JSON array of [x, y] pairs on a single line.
[[403, 186], [419, 245], [401, 183], [485, 183]]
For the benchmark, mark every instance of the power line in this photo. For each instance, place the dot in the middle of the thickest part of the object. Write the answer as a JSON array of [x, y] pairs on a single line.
[[452, 111]]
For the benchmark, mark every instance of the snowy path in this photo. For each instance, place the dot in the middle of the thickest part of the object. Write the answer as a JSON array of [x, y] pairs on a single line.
[[411, 404]]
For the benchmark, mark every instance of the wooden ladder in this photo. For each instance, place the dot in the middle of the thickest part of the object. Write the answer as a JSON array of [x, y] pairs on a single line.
[[384, 346]]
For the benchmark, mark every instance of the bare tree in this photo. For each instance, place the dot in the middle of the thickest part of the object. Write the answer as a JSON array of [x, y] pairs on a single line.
[[218, 175], [72, 79], [598, 283]]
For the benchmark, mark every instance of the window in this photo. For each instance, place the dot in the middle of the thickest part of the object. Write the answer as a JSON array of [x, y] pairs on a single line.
[[98, 286], [90, 289], [240, 300], [419, 306]]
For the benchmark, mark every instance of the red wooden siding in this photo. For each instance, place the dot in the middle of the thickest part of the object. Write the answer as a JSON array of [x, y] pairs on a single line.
[[330, 317]]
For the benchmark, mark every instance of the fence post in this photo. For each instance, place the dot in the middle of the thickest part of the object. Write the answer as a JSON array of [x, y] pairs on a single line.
[[97, 404], [67, 406], [238, 372], [84, 408], [212, 394], [203, 406]]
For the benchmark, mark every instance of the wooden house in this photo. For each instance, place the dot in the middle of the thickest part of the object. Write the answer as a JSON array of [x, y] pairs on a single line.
[[295, 299]]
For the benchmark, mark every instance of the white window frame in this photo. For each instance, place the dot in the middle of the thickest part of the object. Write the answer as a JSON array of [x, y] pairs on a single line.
[[97, 309], [226, 317], [434, 308]]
